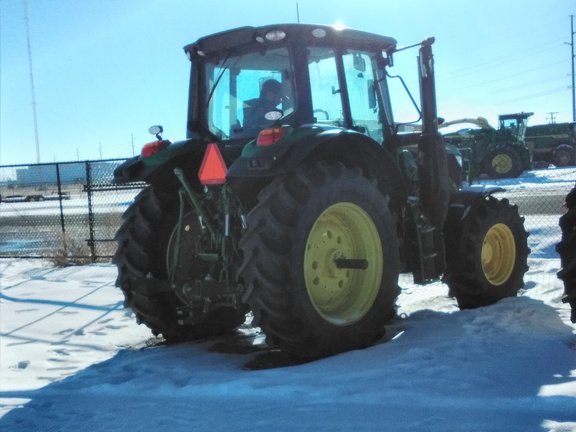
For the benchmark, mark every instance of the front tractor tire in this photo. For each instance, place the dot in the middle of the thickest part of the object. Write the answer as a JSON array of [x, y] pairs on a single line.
[[143, 251], [321, 261], [486, 252]]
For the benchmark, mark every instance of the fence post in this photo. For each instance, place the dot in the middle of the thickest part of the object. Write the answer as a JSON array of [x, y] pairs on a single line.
[[59, 185], [91, 241]]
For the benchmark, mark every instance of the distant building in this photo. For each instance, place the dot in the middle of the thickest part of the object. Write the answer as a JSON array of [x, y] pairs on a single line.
[[74, 172]]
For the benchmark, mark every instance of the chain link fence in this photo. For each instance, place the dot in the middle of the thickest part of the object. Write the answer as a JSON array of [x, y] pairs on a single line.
[[539, 195], [70, 212], [66, 212]]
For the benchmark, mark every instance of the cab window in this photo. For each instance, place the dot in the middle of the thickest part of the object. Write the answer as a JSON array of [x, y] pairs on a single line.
[[325, 90], [359, 75], [234, 85]]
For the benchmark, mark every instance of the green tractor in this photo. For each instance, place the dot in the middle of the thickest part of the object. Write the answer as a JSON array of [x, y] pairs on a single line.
[[496, 153], [296, 200], [553, 143]]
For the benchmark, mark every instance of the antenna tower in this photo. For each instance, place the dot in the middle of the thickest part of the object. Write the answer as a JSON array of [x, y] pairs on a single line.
[[31, 80]]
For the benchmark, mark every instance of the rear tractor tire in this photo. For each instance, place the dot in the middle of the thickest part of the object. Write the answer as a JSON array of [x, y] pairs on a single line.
[[563, 155], [566, 248], [321, 261], [486, 250], [503, 162], [148, 229]]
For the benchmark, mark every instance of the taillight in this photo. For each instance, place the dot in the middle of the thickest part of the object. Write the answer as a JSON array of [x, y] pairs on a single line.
[[270, 136], [153, 148], [213, 169]]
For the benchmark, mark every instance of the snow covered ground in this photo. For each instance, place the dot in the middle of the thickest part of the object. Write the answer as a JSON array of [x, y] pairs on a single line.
[[71, 359]]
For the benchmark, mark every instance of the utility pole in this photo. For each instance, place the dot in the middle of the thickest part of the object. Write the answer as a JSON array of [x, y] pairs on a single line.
[[551, 117], [573, 74]]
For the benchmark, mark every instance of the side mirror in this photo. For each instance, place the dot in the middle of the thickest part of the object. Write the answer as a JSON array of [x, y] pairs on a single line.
[[359, 63], [156, 130]]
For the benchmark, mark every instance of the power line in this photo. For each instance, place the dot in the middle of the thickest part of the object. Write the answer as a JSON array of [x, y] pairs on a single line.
[[520, 55], [513, 38], [508, 77], [556, 79], [535, 95]]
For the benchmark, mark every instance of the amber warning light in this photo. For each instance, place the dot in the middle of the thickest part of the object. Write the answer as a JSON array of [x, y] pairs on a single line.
[[213, 169]]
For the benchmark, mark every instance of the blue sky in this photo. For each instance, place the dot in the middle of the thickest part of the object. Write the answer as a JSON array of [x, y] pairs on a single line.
[[105, 70]]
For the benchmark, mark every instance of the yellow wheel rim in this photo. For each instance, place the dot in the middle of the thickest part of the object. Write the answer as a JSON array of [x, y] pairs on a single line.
[[343, 293], [502, 163], [498, 254]]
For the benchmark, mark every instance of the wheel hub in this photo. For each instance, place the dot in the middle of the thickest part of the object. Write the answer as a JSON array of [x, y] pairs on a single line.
[[502, 163], [343, 263], [498, 254]]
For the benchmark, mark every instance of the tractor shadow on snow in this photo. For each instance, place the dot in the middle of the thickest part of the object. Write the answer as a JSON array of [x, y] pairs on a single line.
[[249, 341]]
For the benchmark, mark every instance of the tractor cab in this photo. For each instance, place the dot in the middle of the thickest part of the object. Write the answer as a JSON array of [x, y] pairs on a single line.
[[515, 123], [250, 79], [259, 91]]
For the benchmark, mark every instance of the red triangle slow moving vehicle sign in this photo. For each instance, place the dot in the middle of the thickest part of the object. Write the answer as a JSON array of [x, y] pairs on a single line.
[[213, 168]]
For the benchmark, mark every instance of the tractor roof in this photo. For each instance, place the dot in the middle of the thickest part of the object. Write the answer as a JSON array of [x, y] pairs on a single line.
[[245, 36], [521, 115]]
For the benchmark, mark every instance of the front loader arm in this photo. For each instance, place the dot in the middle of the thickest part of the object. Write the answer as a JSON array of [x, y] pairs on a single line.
[[432, 161]]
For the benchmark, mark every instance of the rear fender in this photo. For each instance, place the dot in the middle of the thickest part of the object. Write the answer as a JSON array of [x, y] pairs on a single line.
[[313, 143], [186, 153]]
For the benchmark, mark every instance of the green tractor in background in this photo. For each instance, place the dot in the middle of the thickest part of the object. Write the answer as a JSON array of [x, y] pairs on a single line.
[[296, 200], [495, 153], [553, 143]]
